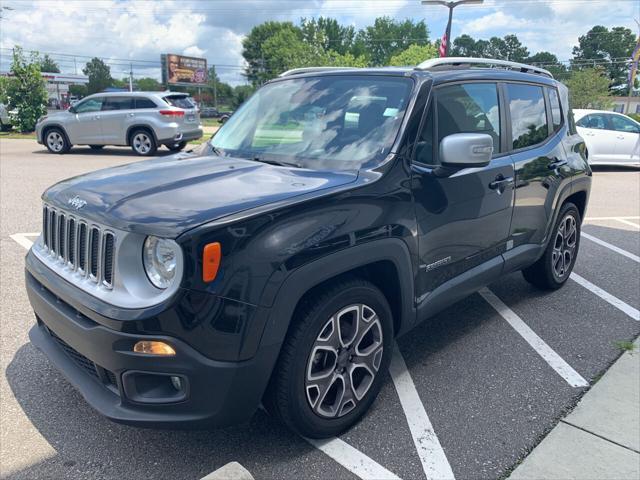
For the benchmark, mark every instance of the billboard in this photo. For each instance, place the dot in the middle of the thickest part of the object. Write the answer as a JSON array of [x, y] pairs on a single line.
[[181, 70]]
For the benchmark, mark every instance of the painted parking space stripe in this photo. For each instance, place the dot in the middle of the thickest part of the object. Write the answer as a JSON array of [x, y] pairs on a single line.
[[606, 296], [352, 459], [630, 255], [627, 222], [434, 461], [22, 240], [586, 219], [554, 360]]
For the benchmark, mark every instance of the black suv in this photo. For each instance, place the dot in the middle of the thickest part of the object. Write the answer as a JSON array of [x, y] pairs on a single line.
[[336, 210]]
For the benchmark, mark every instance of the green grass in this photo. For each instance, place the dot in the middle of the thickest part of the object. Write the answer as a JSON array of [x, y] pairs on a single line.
[[13, 134], [625, 345], [210, 122]]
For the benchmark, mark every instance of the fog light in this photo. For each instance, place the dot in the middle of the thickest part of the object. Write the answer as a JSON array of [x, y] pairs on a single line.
[[177, 383], [151, 347]]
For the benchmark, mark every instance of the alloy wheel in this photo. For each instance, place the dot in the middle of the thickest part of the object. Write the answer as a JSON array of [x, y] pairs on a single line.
[[55, 141], [142, 143], [344, 361], [564, 247]]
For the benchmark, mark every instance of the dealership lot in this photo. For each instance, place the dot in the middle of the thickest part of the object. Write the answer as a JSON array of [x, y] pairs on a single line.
[[469, 393]]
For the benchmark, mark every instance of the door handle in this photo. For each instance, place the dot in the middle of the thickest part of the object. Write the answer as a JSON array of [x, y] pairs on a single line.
[[500, 183], [620, 137], [97, 117], [132, 114], [557, 163]]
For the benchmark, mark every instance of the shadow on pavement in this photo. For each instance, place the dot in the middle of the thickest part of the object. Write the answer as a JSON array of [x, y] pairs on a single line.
[[105, 152]]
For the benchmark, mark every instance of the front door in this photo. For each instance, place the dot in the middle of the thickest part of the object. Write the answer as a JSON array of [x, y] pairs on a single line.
[[463, 215], [85, 129]]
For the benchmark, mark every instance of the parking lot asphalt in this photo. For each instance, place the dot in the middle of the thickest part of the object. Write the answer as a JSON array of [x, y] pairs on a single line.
[[478, 393]]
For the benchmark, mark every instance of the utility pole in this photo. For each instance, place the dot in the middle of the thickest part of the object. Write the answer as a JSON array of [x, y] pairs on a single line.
[[446, 39], [131, 77], [215, 87]]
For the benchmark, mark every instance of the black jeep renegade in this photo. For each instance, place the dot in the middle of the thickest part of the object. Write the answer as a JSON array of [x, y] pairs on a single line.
[[334, 211]]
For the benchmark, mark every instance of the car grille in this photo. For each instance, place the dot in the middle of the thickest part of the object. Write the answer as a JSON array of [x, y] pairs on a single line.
[[82, 246]]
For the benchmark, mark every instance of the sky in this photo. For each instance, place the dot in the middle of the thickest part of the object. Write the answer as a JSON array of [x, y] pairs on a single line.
[[138, 31]]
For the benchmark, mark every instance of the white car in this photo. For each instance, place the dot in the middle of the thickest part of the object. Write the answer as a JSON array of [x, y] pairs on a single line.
[[611, 138]]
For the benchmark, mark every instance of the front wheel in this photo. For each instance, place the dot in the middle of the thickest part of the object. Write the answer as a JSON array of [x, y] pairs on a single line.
[[143, 143], [333, 361], [56, 141], [553, 269]]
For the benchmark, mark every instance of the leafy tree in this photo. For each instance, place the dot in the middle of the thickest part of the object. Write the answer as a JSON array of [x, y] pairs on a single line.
[[466, 46], [414, 55], [286, 50], [99, 74], [608, 48], [78, 90], [335, 59], [507, 48], [260, 65], [241, 93], [387, 37], [224, 91], [25, 91], [548, 61], [589, 88], [513, 49], [329, 34], [147, 84], [49, 65]]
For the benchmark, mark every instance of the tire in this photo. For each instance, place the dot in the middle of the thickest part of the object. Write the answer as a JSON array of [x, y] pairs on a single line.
[[56, 141], [553, 269], [143, 142], [310, 375], [176, 147], [96, 147]]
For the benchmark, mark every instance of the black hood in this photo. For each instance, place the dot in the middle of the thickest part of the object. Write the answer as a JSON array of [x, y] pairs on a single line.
[[167, 196]]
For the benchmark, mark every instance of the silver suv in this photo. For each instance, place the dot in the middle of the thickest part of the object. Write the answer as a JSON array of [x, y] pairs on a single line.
[[142, 120]]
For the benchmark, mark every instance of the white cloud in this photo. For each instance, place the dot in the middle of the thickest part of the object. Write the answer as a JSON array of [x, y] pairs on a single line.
[[495, 20]]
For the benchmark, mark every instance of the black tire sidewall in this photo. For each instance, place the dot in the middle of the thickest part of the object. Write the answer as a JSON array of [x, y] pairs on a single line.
[[66, 146], [300, 416], [568, 208], [154, 145]]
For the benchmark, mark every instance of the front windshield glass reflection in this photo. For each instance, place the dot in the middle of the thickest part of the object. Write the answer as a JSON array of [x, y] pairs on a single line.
[[328, 122]]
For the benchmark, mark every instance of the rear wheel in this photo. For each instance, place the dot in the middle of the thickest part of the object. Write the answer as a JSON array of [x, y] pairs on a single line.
[[553, 269], [332, 363], [176, 147], [143, 143], [96, 147], [56, 141]]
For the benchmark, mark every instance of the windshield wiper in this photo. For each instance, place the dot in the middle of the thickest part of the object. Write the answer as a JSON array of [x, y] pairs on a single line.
[[276, 162]]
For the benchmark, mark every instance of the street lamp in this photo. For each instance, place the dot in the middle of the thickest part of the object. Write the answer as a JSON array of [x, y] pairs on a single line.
[[450, 6]]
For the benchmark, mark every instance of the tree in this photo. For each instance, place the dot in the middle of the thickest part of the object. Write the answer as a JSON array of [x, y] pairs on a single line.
[[507, 48], [335, 59], [513, 49], [241, 93], [286, 50], [25, 91], [608, 48], [78, 90], [99, 74], [260, 68], [387, 37], [589, 88], [414, 55], [548, 61], [147, 84], [49, 65], [329, 34]]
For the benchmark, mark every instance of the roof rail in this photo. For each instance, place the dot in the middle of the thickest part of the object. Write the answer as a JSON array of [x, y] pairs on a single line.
[[299, 71], [455, 61]]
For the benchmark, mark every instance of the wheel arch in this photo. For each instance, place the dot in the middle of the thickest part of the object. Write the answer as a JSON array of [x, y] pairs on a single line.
[[140, 126], [46, 129], [386, 263]]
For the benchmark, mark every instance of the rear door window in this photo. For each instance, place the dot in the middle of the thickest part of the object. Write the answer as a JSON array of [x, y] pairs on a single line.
[[117, 103], [141, 102], [180, 101], [528, 115]]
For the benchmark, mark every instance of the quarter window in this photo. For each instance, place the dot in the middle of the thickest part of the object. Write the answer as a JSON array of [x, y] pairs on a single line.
[[142, 102], [117, 103], [556, 112], [528, 115], [89, 105]]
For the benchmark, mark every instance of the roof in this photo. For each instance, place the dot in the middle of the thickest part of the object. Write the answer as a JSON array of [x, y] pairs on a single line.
[[137, 93]]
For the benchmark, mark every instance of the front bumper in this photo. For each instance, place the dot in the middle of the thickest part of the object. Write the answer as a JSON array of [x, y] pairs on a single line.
[[101, 364]]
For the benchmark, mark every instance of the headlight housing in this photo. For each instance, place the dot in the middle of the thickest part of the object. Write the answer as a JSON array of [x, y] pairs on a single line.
[[160, 257]]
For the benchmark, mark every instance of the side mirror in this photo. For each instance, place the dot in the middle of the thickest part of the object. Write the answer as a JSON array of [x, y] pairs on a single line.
[[72, 110], [462, 150]]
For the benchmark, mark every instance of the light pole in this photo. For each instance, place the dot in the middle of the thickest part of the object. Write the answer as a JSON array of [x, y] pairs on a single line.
[[450, 6]]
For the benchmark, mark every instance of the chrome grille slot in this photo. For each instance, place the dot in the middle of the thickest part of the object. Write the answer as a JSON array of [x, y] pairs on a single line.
[[82, 248]]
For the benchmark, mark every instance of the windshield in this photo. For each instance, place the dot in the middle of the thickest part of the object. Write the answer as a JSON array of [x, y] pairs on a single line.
[[331, 122]]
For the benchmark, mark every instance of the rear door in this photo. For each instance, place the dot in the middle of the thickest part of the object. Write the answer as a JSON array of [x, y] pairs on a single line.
[[463, 215], [598, 137], [627, 139], [115, 113], [542, 170], [85, 128]]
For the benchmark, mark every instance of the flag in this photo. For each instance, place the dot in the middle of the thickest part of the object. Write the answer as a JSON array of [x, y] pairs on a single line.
[[633, 69], [443, 45]]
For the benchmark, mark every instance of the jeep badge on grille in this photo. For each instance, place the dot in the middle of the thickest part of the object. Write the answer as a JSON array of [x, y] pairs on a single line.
[[77, 202]]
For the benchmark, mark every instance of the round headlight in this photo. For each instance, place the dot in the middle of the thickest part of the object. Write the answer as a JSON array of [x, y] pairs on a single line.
[[160, 257]]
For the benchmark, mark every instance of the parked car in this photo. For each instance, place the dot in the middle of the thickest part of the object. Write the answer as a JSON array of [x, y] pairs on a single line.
[[142, 120], [336, 210], [224, 116], [5, 119], [209, 112], [611, 138]]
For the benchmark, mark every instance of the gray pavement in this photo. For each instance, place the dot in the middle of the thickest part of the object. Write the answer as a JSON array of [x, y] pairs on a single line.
[[490, 397], [600, 439]]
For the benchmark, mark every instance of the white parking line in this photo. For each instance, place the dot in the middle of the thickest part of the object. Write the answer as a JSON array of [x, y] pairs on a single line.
[[22, 240], [611, 218], [352, 459], [434, 461], [230, 471], [554, 360], [616, 302], [627, 222], [630, 255]]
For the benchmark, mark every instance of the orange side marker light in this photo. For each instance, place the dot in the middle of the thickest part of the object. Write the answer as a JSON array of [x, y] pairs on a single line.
[[211, 261]]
